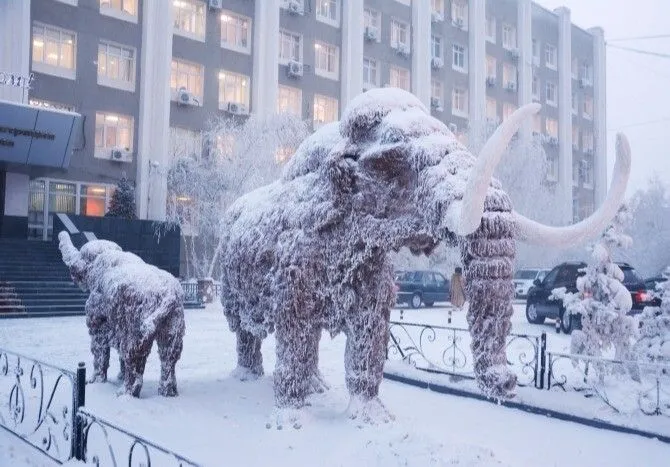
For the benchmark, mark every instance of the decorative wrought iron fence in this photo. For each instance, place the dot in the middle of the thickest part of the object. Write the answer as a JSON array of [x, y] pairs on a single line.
[[104, 443], [190, 291], [625, 386], [446, 350], [39, 402]]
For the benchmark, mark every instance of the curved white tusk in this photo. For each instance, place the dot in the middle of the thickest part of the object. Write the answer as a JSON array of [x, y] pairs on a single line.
[[472, 205], [533, 232]]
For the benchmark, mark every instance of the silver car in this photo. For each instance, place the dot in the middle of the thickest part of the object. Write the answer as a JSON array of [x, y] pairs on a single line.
[[524, 278]]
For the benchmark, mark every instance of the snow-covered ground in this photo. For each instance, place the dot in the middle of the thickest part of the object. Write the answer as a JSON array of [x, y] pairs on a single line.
[[217, 420]]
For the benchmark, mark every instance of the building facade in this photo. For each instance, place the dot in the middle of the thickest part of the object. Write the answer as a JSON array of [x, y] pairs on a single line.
[[148, 75]]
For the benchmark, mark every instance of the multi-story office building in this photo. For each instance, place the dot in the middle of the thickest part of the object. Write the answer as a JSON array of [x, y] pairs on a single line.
[[147, 76]]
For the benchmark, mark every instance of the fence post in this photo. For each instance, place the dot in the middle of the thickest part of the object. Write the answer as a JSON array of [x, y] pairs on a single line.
[[543, 359], [80, 401]]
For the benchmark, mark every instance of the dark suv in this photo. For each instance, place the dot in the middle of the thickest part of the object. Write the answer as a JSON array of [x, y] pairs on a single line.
[[539, 306], [417, 287]]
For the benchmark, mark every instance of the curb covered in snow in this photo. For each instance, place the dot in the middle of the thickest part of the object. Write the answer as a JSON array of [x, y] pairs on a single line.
[[595, 423]]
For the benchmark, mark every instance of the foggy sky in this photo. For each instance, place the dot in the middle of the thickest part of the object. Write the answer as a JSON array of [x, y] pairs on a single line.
[[638, 86]]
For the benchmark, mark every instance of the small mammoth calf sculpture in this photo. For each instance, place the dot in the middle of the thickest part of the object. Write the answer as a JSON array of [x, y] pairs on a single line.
[[130, 305]]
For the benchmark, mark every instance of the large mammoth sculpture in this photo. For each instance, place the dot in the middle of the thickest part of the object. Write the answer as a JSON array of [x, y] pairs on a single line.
[[311, 251], [130, 305]]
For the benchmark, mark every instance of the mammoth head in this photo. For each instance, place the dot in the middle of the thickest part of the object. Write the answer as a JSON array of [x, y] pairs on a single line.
[[390, 160], [80, 261]]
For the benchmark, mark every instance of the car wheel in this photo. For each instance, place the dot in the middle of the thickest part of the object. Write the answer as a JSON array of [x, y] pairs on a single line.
[[429, 303], [532, 316], [416, 300], [566, 322]]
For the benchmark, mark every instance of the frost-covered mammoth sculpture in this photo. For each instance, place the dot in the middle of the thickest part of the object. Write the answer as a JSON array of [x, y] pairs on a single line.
[[130, 305], [311, 250]]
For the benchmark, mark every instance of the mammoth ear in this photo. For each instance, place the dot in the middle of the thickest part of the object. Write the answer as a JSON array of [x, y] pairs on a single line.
[[341, 172]]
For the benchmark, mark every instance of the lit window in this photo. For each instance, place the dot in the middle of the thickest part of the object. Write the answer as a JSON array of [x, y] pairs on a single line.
[[325, 110], [536, 88], [436, 94], [551, 127], [551, 56], [491, 29], [399, 78], [116, 65], [509, 76], [588, 107], [437, 6], [113, 131], [328, 11], [491, 68], [587, 141], [123, 7], [372, 23], [54, 50], [458, 58], [537, 124], [290, 47], [459, 13], [187, 76], [370, 73], [92, 200], [586, 74], [284, 153], [459, 102], [235, 32], [326, 60], [436, 47], [190, 18], [185, 143], [551, 93], [50, 105], [289, 100], [508, 36], [233, 88], [491, 109], [399, 34]]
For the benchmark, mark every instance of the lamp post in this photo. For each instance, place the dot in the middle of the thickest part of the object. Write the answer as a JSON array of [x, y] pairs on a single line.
[[152, 165]]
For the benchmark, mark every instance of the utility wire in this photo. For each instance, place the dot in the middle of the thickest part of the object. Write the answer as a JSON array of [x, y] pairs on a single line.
[[639, 51], [639, 38], [650, 122]]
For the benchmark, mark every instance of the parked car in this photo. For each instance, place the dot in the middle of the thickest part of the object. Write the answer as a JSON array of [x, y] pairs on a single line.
[[539, 306], [524, 278], [651, 285], [417, 287]]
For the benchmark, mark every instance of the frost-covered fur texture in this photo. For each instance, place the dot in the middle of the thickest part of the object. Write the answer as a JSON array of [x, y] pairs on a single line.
[[130, 305], [602, 300], [654, 343], [311, 251]]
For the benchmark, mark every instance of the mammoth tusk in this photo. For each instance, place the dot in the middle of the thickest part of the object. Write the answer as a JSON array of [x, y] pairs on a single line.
[[533, 232], [472, 206]]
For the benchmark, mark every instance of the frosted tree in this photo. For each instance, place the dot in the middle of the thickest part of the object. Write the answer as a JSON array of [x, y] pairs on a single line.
[[654, 343], [122, 203], [602, 301], [239, 155]]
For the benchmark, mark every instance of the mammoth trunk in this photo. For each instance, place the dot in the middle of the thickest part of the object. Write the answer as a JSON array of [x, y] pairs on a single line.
[[488, 257], [70, 254]]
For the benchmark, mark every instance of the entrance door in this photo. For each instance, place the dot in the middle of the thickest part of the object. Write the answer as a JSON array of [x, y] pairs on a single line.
[[46, 199]]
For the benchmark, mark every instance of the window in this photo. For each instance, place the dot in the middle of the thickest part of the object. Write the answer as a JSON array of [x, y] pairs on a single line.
[[289, 100], [551, 93], [186, 75], [587, 172], [459, 102], [587, 141], [116, 66], [235, 32], [537, 125], [552, 169], [372, 22], [491, 68], [399, 78], [399, 34], [536, 88], [509, 76], [326, 60], [508, 110], [575, 103], [508, 36], [588, 107], [185, 143], [54, 51], [459, 13], [574, 68], [112, 131], [436, 94], [586, 74], [69, 2], [284, 153], [491, 110], [551, 127], [575, 137], [435, 47], [92, 200], [328, 11], [491, 29], [576, 168], [536, 52], [233, 88], [51, 105], [325, 110], [122, 9], [458, 58], [370, 73], [550, 56], [190, 18], [437, 7], [290, 47]]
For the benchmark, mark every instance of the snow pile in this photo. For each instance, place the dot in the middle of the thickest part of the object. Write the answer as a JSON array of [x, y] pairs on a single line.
[[654, 343], [602, 301]]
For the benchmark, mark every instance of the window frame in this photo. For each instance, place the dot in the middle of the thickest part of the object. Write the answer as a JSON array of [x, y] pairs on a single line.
[[330, 50], [288, 110], [511, 36], [43, 66], [175, 91], [588, 109], [489, 22], [102, 152], [116, 83], [326, 100], [301, 46], [459, 11], [436, 84], [551, 50], [456, 110], [547, 86], [404, 26], [454, 53], [369, 84], [188, 34], [223, 103], [236, 17], [330, 21], [369, 13], [400, 71], [121, 14]]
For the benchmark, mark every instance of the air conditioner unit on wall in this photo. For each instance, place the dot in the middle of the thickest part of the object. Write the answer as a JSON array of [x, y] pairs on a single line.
[[121, 155], [236, 108], [459, 23], [437, 62], [453, 128], [436, 17], [513, 53], [371, 34], [402, 49], [294, 69], [511, 86], [294, 7], [491, 81], [184, 97], [216, 4]]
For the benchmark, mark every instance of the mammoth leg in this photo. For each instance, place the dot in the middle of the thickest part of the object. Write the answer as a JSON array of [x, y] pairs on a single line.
[[98, 329], [170, 342], [122, 370], [293, 369], [317, 383], [249, 356], [135, 360], [488, 257]]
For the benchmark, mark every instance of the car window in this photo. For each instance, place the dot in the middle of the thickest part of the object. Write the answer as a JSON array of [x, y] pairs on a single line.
[[542, 274], [525, 274], [441, 281], [567, 276], [550, 279], [630, 275]]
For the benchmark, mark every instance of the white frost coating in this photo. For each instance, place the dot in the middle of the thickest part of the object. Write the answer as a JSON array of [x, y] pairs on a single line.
[[534, 232], [654, 343], [469, 212]]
